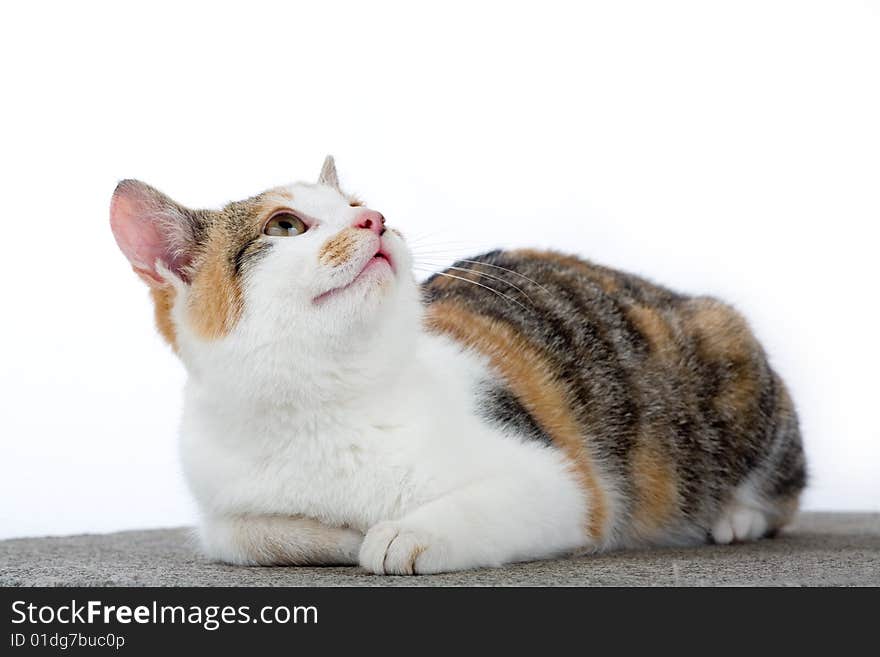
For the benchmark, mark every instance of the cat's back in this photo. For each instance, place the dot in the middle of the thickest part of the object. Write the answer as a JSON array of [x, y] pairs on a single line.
[[665, 401]]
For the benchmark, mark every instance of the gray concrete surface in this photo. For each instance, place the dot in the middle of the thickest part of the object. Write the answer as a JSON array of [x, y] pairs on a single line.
[[820, 549]]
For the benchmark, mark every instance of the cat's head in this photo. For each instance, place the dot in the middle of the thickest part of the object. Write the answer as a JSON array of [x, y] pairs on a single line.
[[297, 272]]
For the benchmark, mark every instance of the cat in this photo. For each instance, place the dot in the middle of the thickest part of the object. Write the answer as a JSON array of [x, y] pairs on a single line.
[[520, 405]]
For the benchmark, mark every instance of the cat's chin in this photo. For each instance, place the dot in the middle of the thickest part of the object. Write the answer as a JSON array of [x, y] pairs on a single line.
[[377, 269]]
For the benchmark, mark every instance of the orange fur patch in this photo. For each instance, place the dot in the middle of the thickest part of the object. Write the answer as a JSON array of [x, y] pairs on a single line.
[[531, 379], [656, 330], [656, 488], [163, 300], [339, 248], [723, 333], [725, 338], [215, 300]]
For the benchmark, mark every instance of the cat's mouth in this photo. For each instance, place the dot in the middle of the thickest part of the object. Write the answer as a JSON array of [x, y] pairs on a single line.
[[380, 259]]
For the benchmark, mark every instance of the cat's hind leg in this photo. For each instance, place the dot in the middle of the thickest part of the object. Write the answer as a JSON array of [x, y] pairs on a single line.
[[267, 540], [768, 499], [752, 514]]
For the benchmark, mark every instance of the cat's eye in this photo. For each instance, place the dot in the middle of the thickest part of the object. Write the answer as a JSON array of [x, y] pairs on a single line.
[[285, 224]]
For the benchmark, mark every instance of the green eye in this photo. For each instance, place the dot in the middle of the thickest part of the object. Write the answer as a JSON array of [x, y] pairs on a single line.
[[285, 224]]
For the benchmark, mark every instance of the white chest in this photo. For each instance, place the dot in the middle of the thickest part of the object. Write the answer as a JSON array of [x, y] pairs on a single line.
[[349, 478]]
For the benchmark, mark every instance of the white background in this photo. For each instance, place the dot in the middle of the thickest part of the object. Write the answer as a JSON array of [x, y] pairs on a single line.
[[722, 148]]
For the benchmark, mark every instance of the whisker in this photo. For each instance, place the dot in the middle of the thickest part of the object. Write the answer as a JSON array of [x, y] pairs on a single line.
[[512, 271], [487, 264], [495, 278], [491, 289]]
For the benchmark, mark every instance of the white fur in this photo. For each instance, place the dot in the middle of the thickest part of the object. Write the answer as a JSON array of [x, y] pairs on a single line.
[[347, 412], [745, 518]]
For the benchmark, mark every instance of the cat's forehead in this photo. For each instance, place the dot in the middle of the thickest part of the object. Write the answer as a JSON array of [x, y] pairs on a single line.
[[311, 199], [314, 197]]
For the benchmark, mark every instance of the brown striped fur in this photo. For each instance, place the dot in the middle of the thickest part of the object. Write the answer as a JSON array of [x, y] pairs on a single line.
[[669, 398]]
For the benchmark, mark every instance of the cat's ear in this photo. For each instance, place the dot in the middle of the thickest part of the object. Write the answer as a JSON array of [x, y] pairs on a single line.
[[328, 173], [156, 234]]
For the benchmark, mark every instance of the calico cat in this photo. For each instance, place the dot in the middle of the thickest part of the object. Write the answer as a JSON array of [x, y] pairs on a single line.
[[520, 405]]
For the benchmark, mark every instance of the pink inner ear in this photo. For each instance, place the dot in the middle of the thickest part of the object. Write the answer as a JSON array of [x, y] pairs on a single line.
[[137, 221]]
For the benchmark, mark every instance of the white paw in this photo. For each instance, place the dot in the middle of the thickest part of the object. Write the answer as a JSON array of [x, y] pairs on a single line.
[[739, 523], [393, 548]]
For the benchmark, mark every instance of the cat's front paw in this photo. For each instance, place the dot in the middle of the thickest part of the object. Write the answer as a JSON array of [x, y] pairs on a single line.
[[394, 548]]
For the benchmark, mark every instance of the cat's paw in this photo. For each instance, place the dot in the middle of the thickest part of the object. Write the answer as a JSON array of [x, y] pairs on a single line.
[[739, 523], [394, 548]]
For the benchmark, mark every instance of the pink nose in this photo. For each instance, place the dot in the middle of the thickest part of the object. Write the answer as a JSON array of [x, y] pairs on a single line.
[[371, 220]]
